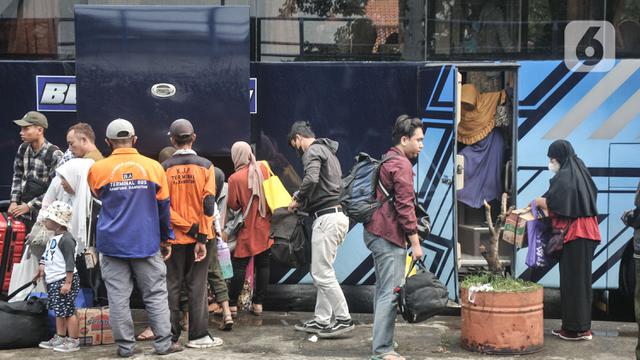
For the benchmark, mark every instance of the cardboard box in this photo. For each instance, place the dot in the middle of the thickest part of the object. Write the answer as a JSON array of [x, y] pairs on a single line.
[[94, 327], [515, 226]]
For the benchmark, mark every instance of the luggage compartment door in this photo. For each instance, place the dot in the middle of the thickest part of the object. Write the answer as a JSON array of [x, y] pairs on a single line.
[[435, 173], [154, 64]]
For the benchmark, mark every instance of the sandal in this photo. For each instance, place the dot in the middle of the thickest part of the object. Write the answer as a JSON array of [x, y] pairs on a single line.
[[227, 322], [256, 309], [146, 334]]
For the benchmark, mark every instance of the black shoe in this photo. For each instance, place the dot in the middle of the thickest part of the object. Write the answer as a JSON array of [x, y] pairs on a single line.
[[338, 328], [174, 348], [311, 327]]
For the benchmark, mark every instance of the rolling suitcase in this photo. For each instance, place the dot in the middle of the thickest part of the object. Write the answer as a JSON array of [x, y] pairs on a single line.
[[12, 235]]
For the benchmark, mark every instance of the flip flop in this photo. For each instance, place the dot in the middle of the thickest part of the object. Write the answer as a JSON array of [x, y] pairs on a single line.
[[256, 309], [146, 335]]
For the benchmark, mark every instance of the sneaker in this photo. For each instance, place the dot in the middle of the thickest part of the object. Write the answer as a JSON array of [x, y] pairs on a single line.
[[69, 345], [311, 326], [205, 342], [51, 343], [573, 335], [174, 348], [125, 353], [338, 328]]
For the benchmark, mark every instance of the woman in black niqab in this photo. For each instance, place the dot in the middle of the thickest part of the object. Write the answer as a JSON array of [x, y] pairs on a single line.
[[571, 202], [572, 192]]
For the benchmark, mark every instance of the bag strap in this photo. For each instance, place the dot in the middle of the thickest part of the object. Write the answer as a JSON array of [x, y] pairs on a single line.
[[387, 195], [18, 290], [246, 211], [266, 164], [48, 156], [420, 264]]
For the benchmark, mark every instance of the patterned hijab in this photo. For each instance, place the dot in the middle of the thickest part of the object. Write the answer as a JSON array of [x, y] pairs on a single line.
[[242, 156]]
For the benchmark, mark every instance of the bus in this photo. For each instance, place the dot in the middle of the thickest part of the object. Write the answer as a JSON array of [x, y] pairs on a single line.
[[570, 68]]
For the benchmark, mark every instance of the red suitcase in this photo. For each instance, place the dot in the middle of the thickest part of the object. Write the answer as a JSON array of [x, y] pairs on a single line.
[[12, 234]]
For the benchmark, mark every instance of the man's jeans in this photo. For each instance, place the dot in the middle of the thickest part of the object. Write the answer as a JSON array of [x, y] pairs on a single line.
[[328, 232], [151, 276], [389, 263]]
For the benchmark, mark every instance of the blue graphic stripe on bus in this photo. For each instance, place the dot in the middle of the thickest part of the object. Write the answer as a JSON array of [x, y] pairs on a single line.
[[533, 117], [545, 86]]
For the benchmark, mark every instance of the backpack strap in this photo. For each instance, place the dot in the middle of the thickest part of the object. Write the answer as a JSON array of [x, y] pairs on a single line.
[[48, 157], [387, 195]]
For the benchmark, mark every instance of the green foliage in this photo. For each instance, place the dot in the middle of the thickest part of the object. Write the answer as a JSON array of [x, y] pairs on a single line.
[[499, 283]]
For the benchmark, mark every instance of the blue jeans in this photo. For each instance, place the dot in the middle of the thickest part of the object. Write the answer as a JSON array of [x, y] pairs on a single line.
[[389, 263]]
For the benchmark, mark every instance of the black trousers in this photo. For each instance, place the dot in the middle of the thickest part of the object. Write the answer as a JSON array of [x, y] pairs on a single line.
[[576, 295], [261, 265], [182, 270]]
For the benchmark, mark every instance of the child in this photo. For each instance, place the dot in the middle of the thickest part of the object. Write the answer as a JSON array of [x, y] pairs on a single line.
[[59, 270]]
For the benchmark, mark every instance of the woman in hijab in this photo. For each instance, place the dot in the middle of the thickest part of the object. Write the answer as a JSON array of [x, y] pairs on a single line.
[[571, 204], [245, 189], [70, 186]]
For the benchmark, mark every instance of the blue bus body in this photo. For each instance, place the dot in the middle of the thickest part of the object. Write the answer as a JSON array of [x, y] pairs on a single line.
[[355, 103]]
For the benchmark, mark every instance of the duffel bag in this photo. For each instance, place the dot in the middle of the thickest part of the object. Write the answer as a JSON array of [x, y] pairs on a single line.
[[291, 243], [24, 323], [422, 296]]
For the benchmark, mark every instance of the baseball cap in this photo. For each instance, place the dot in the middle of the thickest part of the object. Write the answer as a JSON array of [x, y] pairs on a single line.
[[33, 118], [181, 127], [120, 129]]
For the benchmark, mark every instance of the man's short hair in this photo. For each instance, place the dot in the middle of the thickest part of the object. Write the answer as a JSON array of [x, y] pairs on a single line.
[[182, 140], [404, 126], [302, 128], [84, 129]]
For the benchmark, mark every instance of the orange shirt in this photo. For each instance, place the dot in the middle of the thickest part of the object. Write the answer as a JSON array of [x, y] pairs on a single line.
[[253, 239], [192, 188]]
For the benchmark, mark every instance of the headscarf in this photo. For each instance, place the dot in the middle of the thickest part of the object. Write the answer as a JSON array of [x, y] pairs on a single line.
[[242, 156], [572, 192], [476, 124], [75, 172]]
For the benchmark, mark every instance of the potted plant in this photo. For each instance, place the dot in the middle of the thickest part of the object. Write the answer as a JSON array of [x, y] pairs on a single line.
[[501, 315]]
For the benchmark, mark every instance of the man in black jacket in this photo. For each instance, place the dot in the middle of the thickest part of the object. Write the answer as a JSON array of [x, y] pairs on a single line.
[[319, 196]]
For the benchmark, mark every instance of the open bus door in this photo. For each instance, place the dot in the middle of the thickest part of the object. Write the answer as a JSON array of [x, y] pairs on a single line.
[[453, 248], [154, 64]]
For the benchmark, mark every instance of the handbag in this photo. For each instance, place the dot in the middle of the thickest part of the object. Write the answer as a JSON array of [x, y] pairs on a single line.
[[422, 295], [555, 241], [24, 321], [536, 232], [235, 223], [23, 273], [275, 193]]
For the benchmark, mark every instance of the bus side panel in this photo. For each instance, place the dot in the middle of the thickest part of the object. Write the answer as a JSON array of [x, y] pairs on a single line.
[[584, 108], [18, 89], [355, 104], [123, 51], [435, 187]]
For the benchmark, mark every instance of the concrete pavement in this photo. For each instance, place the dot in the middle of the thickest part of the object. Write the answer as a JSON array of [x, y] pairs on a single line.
[[271, 336]]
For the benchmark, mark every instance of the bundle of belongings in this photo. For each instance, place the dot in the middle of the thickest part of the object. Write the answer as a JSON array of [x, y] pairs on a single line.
[[484, 153]]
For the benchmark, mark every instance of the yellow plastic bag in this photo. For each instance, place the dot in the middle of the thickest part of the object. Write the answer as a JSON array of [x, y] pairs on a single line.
[[276, 194], [407, 266]]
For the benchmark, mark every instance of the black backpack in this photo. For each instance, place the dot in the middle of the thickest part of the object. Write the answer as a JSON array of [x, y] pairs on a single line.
[[291, 243], [422, 296], [358, 193]]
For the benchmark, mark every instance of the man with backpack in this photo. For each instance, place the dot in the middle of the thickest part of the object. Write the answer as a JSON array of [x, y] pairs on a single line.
[[319, 196], [391, 226], [33, 168]]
